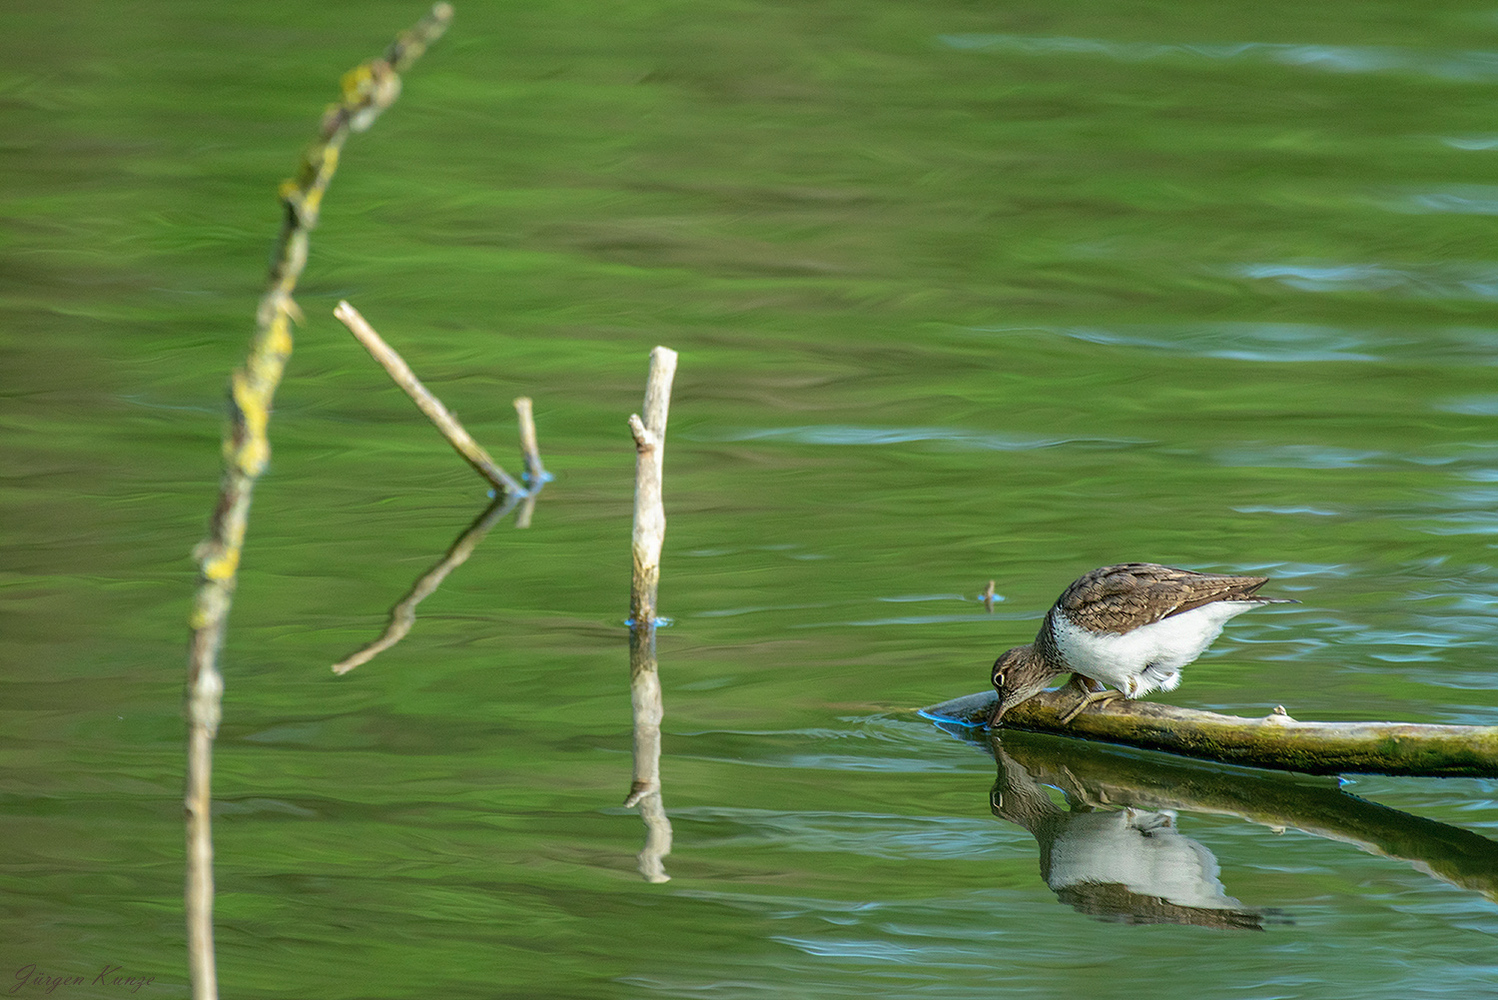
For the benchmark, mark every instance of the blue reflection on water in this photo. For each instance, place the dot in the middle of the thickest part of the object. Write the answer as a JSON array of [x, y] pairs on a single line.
[[858, 435], [1471, 65], [1433, 281]]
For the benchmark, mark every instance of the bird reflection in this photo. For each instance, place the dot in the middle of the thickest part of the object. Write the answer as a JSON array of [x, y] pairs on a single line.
[[1129, 864], [1116, 852]]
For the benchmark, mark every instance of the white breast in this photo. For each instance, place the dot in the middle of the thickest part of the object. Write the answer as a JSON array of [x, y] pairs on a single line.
[[1150, 657]]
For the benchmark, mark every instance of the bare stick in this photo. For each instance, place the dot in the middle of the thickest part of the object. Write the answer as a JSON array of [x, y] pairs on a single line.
[[1275, 741], [988, 596], [367, 90], [403, 615], [429, 404], [645, 686], [650, 512], [535, 473]]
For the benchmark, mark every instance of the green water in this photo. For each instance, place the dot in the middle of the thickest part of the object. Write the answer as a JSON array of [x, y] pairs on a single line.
[[961, 291]]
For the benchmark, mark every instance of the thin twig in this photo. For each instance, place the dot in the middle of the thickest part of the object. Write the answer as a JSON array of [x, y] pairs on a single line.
[[536, 475], [462, 442], [367, 91], [535, 472], [988, 596]]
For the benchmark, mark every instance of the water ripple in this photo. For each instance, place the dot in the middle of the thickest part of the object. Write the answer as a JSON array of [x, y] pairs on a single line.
[[1287, 511], [1288, 342], [1471, 142], [1296, 343], [855, 435], [1472, 406], [1455, 199], [1297, 456], [1466, 66], [875, 835], [1461, 281]]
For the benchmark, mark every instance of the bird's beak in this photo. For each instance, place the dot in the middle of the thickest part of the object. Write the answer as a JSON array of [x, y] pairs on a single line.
[[999, 708]]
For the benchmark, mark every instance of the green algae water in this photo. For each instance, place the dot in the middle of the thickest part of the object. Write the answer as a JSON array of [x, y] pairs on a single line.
[[961, 292]]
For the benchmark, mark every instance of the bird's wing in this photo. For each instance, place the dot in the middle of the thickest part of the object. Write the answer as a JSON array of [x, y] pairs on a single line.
[[1126, 596]]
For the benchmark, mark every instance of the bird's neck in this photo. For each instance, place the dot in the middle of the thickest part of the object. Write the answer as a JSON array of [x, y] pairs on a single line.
[[1045, 649]]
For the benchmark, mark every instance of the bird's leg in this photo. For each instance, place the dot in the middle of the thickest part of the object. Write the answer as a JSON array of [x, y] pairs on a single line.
[[1090, 692]]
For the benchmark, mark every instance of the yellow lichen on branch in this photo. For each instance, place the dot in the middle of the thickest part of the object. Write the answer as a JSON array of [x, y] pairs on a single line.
[[1275, 741], [247, 452]]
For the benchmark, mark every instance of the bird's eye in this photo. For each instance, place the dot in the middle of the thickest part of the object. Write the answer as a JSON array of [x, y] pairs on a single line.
[[998, 676]]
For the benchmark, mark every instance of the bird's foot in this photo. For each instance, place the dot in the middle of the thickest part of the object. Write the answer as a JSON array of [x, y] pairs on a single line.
[[1090, 698]]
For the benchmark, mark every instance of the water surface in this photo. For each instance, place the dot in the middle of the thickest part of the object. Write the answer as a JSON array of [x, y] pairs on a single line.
[[960, 294]]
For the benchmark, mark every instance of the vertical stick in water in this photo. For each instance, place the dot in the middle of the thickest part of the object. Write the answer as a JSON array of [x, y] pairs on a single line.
[[367, 90], [645, 685], [535, 473], [650, 513]]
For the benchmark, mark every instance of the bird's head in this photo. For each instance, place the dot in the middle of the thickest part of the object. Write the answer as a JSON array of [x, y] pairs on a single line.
[[1018, 675]]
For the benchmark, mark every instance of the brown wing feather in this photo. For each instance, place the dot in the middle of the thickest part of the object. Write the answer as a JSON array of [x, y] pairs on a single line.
[[1126, 596]]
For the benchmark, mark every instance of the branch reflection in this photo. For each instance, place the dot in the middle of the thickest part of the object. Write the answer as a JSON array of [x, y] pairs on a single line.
[[403, 615], [645, 786], [1126, 864], [1116, 850]]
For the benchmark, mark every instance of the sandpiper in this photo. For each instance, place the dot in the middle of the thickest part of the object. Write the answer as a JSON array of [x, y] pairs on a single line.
[[1134, 626]]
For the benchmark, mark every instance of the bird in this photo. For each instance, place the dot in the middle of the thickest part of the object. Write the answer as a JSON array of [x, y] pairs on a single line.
[[1132, 626]]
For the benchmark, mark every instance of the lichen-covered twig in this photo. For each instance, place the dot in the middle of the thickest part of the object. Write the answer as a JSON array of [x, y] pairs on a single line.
[[462, 442], [367, 90]]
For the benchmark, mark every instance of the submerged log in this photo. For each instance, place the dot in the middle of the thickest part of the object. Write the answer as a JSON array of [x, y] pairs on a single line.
[[1275, 741]]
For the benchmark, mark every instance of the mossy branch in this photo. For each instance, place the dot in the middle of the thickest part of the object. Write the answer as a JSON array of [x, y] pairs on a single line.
[[1275, 741]]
